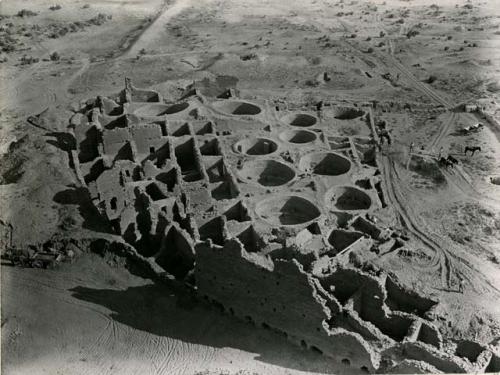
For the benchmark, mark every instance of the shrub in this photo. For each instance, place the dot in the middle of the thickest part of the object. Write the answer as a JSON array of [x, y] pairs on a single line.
[[26, 13], [54, 56]]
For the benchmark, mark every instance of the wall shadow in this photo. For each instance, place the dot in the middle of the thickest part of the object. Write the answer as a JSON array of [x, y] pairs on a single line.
[[80, 196], [158, 310]]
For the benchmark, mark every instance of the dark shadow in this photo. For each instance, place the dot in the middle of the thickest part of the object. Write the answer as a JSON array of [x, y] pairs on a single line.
[[225, 190], [275, 174], [92, 219], [119, 122], [160, 156], [297, 210], [87, 149], [159, 310], [63, 141], [214, 230]]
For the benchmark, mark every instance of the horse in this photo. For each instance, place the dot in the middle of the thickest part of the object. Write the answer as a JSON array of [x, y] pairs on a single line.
[[472, 149], [472, 128], [445, 162], [451, 159]]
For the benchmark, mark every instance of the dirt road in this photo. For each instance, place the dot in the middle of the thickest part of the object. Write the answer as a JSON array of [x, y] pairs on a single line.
[[156, 29]]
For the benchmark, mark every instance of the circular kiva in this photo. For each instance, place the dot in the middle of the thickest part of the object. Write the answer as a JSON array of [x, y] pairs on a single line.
[[287, 210], [255, 146], [299, 119], [298, 136], [325, 164], [158, 109], [347, 113], [237, 107], [266, 172], [348, 198]]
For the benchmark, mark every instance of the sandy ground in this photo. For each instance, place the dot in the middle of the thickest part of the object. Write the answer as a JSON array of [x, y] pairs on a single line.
[[79, 319], [90, 318]]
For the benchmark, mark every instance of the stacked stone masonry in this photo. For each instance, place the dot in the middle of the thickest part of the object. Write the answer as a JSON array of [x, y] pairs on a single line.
[[261, 211]]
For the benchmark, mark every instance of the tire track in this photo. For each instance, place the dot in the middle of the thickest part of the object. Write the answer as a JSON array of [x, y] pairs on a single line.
[[443, 130], [406, 216], [449, 262]]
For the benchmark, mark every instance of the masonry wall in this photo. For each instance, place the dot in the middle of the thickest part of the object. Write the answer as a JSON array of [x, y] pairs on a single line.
[[279, 295]]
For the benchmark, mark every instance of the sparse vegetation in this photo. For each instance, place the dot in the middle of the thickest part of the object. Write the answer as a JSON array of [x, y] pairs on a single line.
[[26, 13], [54, 56], [250, 56], [28, 60]]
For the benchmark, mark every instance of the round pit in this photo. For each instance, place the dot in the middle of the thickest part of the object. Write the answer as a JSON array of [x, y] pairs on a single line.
[[239, 108], [266, 172], [300, 119], [287, 210], [347, 113], [158, 109], [298, 136], [325, 164], [349, 198], [256, 146]]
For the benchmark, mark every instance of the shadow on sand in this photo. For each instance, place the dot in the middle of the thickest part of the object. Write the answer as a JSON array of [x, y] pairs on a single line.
[[157, 310], [80, 196]]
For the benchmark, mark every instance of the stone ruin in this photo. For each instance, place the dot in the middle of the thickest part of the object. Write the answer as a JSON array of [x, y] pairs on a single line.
[[261, 209]]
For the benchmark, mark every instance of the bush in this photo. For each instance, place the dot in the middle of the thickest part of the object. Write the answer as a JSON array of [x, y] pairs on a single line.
[[411, 33], [250, 56], [54, 56], [316, 60], [55, 7], [26, 13]]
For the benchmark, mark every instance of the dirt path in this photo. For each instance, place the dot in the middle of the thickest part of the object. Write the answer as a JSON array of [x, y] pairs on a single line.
[[451, 265], [156, 28], [407, 218], [443, 131]]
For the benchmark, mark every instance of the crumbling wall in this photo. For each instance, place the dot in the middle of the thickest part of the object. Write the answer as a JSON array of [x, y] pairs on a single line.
[[402, 299], [279, 295], [146, 137], [440, 360], [176, 253], [114, 140]]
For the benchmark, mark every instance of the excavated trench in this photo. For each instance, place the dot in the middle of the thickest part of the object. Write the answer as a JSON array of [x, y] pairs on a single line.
[[349, 198], [255, 146], [299, 119], [325, 163], [266, 172], [239, 108], [347, 113], [287, 210], [298, 136]]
